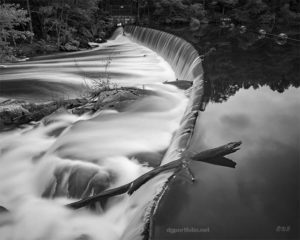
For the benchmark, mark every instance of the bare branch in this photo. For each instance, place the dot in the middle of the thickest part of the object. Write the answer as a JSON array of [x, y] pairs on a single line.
[[213, 156]]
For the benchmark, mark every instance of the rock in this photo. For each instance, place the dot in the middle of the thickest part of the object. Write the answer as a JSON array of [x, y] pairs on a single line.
[[75, 43], [16, 112], [81, 180], [100, 40], [119, 98], [120, 95], [84, 44], [10, 110], [72, 103], [51, 117], [89, 107], [69, 47]]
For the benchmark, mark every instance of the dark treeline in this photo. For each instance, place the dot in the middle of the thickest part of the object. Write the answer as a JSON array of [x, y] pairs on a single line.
[[242, 11], [50, 25], [31, 27], [235, 60], [265, 63]]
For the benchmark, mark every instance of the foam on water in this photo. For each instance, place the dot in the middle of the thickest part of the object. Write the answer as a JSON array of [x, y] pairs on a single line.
[[186, 63], [66, 157]]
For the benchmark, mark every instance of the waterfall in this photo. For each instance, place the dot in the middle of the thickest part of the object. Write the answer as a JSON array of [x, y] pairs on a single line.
[[186, 63], [65, 157]]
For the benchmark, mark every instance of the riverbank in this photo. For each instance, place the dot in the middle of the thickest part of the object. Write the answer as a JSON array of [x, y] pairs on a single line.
[[40, 48]]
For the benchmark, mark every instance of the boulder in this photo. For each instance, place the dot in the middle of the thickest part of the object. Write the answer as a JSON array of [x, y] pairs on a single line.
[[17, 112], [100, 40], [68, 47], [84, 44]]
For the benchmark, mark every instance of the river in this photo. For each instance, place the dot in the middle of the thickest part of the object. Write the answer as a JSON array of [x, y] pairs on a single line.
[[250, 95], [65, 157], [253, 96]]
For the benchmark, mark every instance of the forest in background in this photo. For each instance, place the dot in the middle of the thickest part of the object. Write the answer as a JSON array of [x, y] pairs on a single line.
[[30, 27], [236, 57], [241, 11]]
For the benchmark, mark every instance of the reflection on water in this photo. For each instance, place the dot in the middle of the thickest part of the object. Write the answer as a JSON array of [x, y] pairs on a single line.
[[230, 68], [259, 198], [251, 87], [233, 61]]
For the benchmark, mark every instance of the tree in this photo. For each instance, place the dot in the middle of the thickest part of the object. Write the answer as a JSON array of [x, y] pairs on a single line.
[[197, 10], [169, 11], [12, 19], [66, 20], [30, 22]]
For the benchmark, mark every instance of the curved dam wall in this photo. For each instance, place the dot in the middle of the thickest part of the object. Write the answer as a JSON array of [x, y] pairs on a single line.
[[186, 63]]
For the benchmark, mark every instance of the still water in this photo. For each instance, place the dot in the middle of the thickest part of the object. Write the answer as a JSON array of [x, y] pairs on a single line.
[[262, 193], [257, 199], [252, 96]]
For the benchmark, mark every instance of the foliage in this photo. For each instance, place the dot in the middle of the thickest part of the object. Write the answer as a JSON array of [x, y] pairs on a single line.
[[99, 83], [233, 61], [227, 72], [253, 12], [237, 64], [103, 81], [13, 19], [63, 22], [66, 20], [168, 10]]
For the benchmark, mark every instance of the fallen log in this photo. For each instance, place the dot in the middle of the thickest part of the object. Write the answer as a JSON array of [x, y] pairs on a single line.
[[182, 163]]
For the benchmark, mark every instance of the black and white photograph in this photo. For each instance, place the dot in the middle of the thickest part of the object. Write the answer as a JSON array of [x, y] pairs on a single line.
[[149, 119]]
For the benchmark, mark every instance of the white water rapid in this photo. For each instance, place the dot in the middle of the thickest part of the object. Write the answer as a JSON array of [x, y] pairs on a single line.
[[66, 157]]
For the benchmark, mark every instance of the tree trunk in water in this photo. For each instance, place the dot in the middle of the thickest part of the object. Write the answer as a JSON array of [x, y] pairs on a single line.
[[208, 156]]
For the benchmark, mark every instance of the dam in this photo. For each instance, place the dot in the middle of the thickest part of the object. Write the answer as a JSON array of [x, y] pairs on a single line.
[[46, 165], [78, 156]]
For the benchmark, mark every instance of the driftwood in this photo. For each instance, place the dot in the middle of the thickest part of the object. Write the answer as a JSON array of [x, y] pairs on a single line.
[[214, 156]]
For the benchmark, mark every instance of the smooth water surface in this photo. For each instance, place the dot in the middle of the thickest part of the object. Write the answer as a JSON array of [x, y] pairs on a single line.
[[253, 96], [258, 199], [73, 75]]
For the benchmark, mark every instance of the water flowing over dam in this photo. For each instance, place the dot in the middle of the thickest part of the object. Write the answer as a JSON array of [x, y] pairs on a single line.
[[66, 157], [186, 63]]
